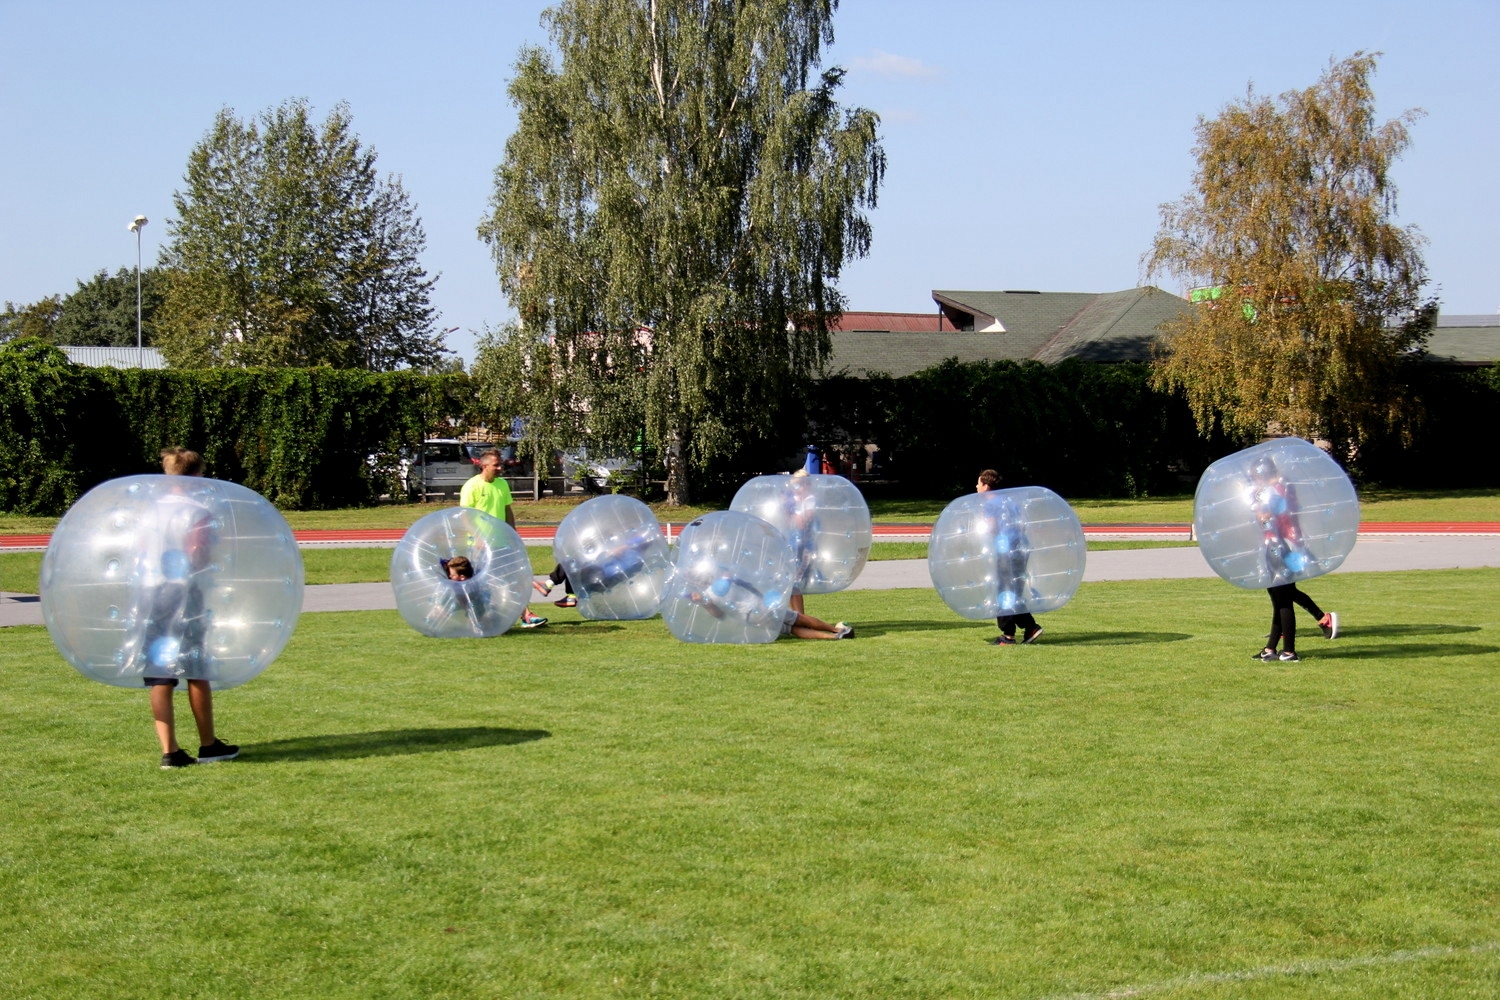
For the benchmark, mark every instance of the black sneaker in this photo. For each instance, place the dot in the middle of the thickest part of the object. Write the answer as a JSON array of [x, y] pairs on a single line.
[[1031, 635], [177, 758], [1003, 640], [1287, 656], [1266, 655], [216, 751]]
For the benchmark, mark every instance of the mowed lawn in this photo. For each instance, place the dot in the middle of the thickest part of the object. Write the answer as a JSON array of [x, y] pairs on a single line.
[[1131, 807]]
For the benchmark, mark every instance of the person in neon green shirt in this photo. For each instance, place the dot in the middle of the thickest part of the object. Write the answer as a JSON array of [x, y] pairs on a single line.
[[489, 492]]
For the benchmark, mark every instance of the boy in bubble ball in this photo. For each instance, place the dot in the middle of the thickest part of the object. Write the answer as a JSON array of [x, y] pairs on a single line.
[[1273, 501], [172, 643], [488, 491], [1011, 564]]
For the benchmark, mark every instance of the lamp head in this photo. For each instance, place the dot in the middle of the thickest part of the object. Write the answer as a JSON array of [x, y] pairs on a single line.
[[137, 223]]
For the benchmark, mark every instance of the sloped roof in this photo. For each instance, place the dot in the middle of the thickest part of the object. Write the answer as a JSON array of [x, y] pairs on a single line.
[[1465, 340], [115, 357], [1116, 326], [1011, 326], [891, 322]]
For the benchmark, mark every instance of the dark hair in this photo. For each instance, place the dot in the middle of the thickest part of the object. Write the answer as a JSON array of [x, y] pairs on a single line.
[[990, 478]]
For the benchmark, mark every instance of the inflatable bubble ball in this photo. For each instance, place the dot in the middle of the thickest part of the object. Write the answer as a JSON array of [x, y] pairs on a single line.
[[1007, 552], [171, 576], [1276, 513], [487, 603], [732, 580], [615, 556], [826, 520]]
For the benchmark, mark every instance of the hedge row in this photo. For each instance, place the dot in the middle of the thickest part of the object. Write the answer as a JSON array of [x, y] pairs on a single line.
[[301, 437], [1095, 430]]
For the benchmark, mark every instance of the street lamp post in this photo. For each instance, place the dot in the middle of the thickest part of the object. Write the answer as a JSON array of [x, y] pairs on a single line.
[[136, 225]]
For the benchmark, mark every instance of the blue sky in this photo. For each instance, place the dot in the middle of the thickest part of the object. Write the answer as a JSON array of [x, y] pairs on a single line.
[[1030, 144]]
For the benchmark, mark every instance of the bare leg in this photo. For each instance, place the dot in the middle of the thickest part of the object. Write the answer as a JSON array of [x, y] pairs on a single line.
[[797, 603], [808, 627], [201, 698], [161, 711]]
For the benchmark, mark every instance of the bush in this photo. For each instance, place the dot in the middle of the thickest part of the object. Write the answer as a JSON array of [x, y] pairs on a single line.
[[301, 437]]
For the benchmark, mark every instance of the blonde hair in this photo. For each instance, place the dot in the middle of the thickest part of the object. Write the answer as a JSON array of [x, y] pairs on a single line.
[[181, 462]]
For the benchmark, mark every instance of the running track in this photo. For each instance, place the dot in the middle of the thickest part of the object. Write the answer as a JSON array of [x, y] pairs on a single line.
[[542, 533]]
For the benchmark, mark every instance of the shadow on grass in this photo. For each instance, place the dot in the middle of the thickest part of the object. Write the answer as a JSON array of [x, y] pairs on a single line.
[[864, 628], [1407, 649], [1385, 630], [592, 624], [1110, 638], [387, 743]]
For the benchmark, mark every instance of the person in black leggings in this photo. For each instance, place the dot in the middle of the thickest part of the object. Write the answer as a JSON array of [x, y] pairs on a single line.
[[1274, 503], [1284, 622]]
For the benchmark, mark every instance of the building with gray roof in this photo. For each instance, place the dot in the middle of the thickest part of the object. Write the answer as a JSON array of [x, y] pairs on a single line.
[[1005, 326], [1051, 327], [1467, 341], [115, 357]]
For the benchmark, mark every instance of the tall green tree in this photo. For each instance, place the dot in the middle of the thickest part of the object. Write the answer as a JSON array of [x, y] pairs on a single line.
[[1311, 296], [289, 249], [101, 311], [37, 319], [673, 212]]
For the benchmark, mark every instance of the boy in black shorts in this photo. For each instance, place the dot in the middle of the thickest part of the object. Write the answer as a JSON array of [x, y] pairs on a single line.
[[173, 639]]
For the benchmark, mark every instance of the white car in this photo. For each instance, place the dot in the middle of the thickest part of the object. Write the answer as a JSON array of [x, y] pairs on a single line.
[[599, 473]]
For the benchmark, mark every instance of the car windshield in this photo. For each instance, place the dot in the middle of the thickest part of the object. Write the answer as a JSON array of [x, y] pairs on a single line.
[[435, 453]]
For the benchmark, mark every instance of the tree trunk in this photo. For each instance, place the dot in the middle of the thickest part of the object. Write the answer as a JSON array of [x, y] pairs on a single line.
[[679, 490]]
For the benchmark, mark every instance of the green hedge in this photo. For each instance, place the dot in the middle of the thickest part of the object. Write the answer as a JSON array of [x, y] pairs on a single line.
[[302, 437], [1080, 429], [1094, 430]]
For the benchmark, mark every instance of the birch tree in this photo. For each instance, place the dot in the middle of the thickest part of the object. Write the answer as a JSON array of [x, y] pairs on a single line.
[[673, 211], [1309, 295]]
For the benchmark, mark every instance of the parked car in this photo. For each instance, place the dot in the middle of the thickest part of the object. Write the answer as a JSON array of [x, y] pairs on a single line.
[[600, 473], [442, 465]]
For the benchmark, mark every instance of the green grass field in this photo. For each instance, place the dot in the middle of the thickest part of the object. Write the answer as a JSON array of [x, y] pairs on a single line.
[[1131, 807]]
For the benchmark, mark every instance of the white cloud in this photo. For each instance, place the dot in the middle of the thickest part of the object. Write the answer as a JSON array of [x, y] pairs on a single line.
[[889, 64]]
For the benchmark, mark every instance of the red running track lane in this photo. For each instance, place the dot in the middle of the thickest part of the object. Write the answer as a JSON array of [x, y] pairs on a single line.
[[543, 532]]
